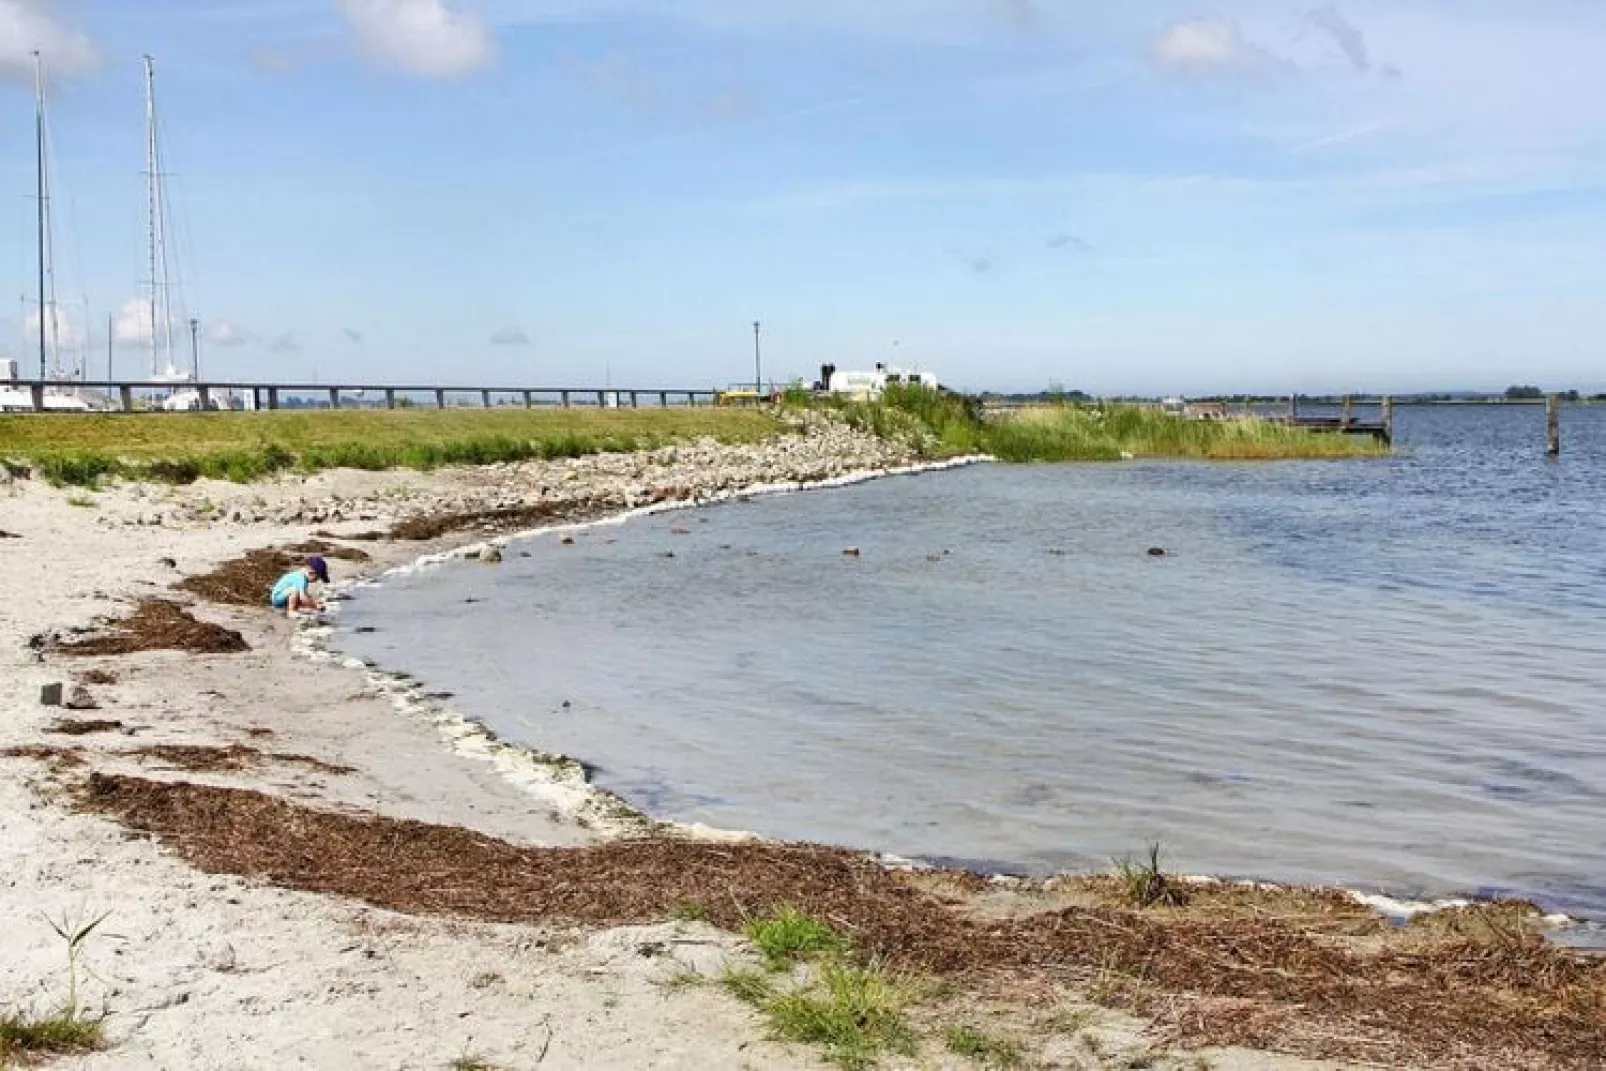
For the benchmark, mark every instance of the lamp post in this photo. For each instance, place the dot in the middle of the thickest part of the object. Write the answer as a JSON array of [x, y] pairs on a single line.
[[758, 360]]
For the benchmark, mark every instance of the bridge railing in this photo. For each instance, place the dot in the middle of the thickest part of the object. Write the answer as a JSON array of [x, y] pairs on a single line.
[[126, 393]]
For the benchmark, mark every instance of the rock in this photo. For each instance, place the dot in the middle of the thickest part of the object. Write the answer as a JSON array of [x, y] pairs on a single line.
[[850, 552], [493, 556], [80, 699], [1156, 552], [566, 541], [50, 694], [169, 562]]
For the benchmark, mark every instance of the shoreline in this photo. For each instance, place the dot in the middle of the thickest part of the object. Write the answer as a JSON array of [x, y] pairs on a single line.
[[208, 965], [557, 779], [564, 781]]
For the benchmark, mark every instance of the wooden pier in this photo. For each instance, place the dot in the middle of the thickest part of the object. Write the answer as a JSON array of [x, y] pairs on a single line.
[[1346, 423]]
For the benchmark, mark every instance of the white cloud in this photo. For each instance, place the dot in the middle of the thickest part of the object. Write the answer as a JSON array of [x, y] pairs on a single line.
[[224, 333], [1205, 46], [63, 331], [285, 343], [27, 26], [511, 336], [423, 37], [133, 323]]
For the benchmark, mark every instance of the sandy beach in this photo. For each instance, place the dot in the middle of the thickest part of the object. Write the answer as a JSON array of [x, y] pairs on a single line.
[[212, 970]]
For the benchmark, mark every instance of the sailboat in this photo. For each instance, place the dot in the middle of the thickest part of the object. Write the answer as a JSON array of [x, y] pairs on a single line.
[[164, 369], [50, 366]]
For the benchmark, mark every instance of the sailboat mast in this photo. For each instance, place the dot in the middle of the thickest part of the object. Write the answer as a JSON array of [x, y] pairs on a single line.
[[39, 138], [153, 194]]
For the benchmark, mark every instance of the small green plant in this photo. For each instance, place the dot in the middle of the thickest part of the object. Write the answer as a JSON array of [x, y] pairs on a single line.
[[690, 911], [748, 986], [681, 980], [81, 501], [855, 1012], [67, 1030], [986, 1050], [1146, 884], [74, 933], [55, 1035], [467, 1062], [788, 934]]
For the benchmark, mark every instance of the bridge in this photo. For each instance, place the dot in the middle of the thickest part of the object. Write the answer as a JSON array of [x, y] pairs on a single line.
[[271, 395]]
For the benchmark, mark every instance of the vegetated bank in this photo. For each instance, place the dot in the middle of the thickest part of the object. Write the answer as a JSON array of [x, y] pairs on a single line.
[[952, 425], [82, 450]]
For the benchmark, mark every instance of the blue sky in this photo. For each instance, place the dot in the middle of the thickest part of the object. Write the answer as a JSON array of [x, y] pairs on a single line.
[[1154, 196]]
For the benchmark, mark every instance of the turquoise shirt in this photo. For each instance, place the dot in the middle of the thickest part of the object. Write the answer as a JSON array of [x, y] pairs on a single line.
[[295, 580]]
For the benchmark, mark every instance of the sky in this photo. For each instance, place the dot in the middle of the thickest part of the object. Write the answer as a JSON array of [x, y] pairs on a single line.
[[1157, 196]]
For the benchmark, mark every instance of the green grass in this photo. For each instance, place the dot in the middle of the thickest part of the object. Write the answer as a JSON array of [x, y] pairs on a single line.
[[855, 1013], [788, 935], [690, 911], [948, 425], [986, 1050], [83, 450], [1146, 884], [63, 1033], [1109, 433]]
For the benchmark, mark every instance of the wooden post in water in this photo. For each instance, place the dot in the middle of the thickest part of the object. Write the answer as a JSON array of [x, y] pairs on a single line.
[[1293, 407], [1553, 425], [1388, 418], [1346, 416]]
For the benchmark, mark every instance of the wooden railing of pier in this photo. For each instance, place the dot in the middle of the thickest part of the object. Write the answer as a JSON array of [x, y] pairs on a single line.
[[270, 395], [1346, 422]]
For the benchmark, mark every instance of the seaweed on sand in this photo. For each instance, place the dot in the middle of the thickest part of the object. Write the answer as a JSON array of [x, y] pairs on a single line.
[[158, 625], [246, 581], [1247, 978]]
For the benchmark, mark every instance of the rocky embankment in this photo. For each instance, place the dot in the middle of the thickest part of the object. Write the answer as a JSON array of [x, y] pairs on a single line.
[[813, 449]]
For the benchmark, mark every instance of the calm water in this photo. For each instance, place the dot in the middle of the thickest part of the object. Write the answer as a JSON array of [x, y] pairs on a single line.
[[1382, 675]]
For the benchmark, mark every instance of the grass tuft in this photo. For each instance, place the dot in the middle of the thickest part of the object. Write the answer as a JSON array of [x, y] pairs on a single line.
[[984, 1049], [856, 1013], [63, 1033], [748, 986], [1146, 884], [788, 934], [690, 911]]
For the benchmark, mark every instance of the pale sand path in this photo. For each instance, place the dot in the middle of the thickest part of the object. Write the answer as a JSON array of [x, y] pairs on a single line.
[[205, 972]]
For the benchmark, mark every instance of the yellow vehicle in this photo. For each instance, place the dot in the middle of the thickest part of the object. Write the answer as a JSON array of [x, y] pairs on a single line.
[[739, 396]]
